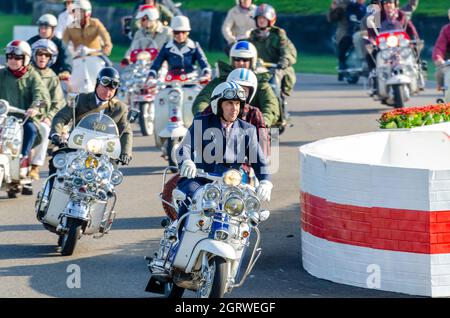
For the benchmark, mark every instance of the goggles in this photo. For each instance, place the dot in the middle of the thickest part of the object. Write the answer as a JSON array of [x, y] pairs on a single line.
[[109, 82], [243, 59], [13, 50], [42, 53], [179, 32], [233, 94], [14, 57]]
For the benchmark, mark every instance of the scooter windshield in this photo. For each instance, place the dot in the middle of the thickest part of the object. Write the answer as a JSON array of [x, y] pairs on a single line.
[[390, 25], [102, 129]]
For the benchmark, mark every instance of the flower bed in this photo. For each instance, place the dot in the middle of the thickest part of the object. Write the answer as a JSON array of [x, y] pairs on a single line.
[[415, 116]]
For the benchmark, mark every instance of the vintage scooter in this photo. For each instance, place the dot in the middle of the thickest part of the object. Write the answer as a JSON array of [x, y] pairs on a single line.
[[86, 65], [79, 199], [398, 74], [135, 92], [446, 88], [173, 110], [11, 139], [203, 251]]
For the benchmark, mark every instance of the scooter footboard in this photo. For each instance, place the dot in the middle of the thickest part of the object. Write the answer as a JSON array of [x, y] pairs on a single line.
[[214, 247]]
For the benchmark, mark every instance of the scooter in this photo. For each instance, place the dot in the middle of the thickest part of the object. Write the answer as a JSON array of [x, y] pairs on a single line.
[[135, 92], [173, 110], [12, 172], [86, 65]]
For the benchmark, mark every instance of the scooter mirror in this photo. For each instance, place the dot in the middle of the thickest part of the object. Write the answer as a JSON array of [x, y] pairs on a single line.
[[133, 115], [72, 100], [38, 104], [4, 105]]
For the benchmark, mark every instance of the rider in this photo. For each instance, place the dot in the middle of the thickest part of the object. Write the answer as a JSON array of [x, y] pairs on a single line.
[[152, 34], [63, 64], [238, 22], [181, 53], [44, 55], [337, 13], [65, 18], [88, 31], [238, 140], [243, 54], [274, 46], [164, 12], [356, 11], [102, 100], [441, 52], [22, 87]]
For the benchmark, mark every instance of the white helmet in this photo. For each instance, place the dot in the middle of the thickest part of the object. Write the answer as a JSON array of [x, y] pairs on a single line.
[[147, 10], [82, 5], [227, 91], [246, 50], [18, 47], [45, 45], [180, 23], [247, 78], [48, 19]]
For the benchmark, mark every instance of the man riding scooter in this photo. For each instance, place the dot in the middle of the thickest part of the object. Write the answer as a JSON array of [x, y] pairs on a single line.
[[22, 87], [441, 54]]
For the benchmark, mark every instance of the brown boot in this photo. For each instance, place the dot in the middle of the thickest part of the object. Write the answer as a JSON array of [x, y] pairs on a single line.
[[34, 172]]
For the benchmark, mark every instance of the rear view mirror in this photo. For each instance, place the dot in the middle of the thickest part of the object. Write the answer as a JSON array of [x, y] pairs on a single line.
[[38, 104], [133, 115]]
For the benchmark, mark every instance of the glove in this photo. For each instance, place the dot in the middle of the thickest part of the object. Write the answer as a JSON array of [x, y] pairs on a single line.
[[125, 159], [188, 169], [58, 141], [264, 189]]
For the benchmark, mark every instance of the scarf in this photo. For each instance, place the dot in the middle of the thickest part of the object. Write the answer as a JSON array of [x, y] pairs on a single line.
[[20, 72]]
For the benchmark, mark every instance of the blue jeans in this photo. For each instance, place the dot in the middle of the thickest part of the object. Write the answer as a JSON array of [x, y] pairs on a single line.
[[30, 132], [188, 187]]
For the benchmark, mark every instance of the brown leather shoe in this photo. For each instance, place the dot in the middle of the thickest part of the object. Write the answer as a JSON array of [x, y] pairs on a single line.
[[34, 172]]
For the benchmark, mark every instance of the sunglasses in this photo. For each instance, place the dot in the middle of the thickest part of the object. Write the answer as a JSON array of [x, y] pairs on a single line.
[[109, 82], [14, 57], [231, 94], [241, 59], [48, 55], [179, 32]]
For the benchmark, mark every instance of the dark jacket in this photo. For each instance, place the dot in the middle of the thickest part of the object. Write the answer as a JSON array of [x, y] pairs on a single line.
[[357, 10], [184, 58], [117, 110], [64, 61], [241, 147]]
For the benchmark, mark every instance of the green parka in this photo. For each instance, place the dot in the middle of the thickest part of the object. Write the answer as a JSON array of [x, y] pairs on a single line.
[[53, 84]]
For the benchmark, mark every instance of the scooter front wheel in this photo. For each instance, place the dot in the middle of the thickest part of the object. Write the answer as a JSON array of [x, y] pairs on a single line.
[[146, 119], [70, 238], [215, 279]]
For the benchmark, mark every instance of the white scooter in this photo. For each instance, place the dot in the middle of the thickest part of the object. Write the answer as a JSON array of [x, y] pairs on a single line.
[[208, 256], [79, 199], [86, 65], [446, 88], [173, 110], [11, 139]]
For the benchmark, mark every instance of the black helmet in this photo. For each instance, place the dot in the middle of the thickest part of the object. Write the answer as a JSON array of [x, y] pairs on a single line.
[[109, 77]]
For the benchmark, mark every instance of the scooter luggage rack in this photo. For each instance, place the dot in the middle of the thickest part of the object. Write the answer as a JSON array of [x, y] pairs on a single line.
[[162, 187]]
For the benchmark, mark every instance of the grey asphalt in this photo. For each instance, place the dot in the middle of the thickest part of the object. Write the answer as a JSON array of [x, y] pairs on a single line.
[[114, 266]]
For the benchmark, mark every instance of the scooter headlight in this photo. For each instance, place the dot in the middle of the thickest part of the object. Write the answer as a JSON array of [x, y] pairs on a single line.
[[60, 161], [116, 177], [405, 52], [232, 178], [77, 182], [404, 42], [383, 45], [174, 97], [386, 54], [252, 204], [89, 175], [392, 41], [103, 172], [77, 164], [212, 193], [234, 206]]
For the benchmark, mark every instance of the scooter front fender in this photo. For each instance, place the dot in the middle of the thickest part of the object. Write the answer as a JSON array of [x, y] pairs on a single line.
[[214, 247], [398, 80]]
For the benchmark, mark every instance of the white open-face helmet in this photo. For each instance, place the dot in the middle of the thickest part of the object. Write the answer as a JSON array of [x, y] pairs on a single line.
[[82, 5], [147, 10], [48, 46], [227, 91], [247, 78], [245, 50], [180, 23], [48, 19], [18, 47]]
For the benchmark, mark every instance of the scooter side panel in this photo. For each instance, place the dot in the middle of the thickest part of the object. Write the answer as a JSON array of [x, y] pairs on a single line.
[[97, 212], [57, 204]]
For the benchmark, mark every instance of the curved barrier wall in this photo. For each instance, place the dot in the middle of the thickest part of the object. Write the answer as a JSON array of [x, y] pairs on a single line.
[[375, 210]]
